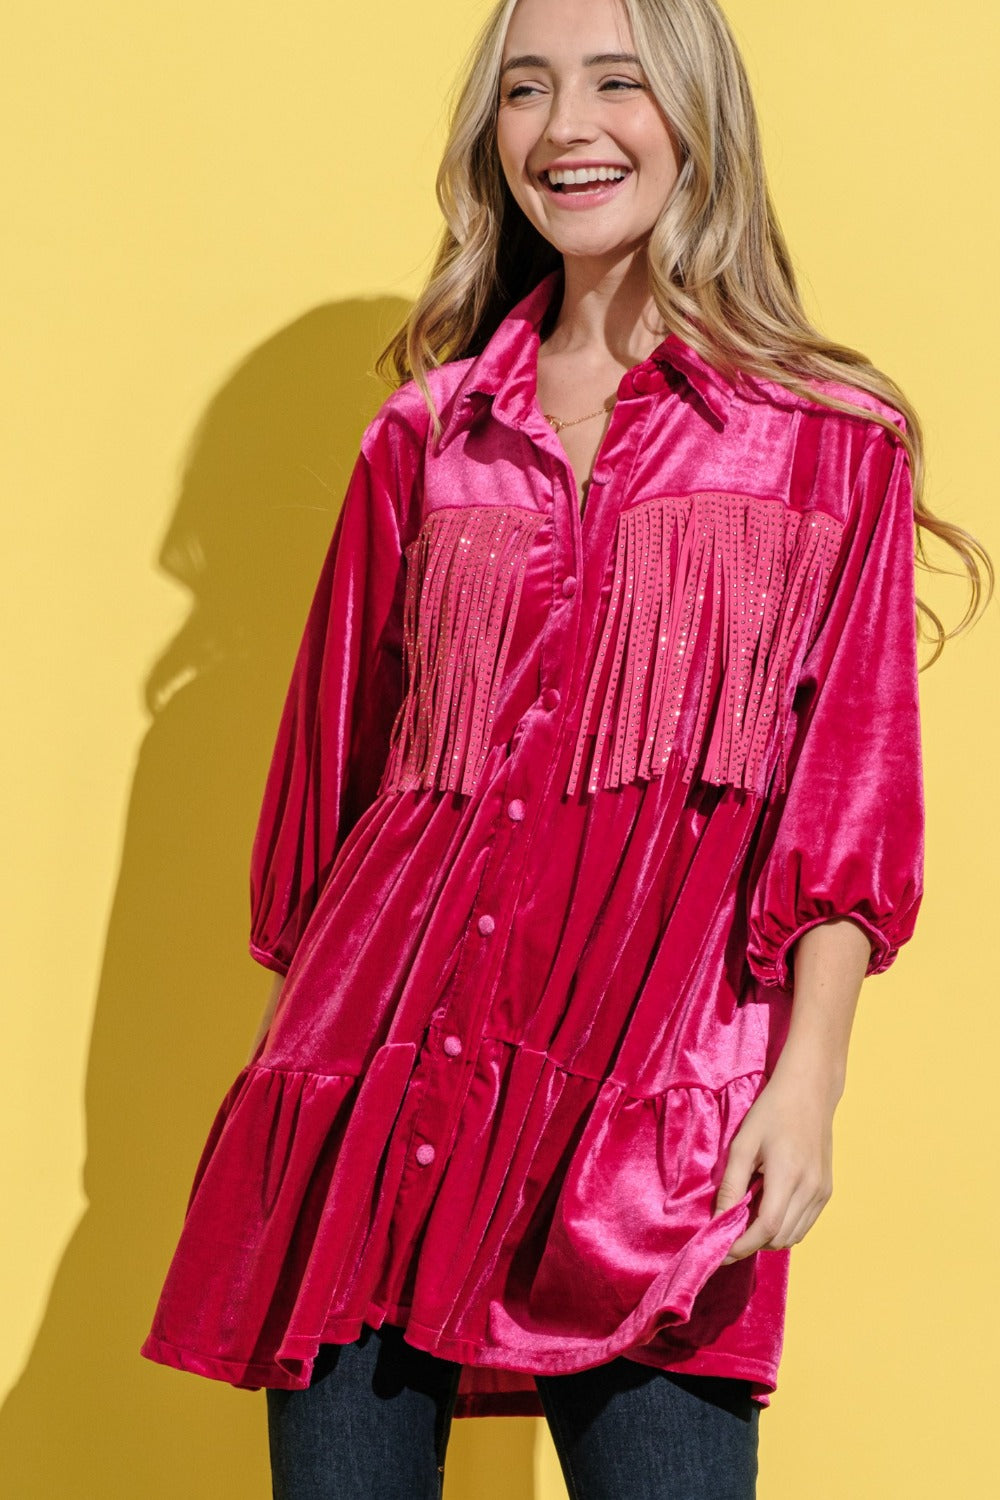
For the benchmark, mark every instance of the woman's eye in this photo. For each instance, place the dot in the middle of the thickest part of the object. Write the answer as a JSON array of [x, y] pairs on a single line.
[[614, 85]]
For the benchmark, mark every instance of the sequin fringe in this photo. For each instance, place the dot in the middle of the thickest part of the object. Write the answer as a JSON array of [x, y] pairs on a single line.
[[465, 571], [710, 596]]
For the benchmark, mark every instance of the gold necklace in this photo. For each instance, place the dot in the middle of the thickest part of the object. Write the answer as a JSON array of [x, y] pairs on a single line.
[[558, 424]]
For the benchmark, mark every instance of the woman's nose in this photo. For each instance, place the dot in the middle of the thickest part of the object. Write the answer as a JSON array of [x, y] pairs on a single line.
[[568, 120]]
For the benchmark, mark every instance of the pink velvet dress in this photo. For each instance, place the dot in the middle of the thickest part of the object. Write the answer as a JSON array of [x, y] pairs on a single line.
[[553, 796]]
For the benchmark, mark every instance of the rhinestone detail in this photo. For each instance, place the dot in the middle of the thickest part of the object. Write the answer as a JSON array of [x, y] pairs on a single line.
[[465, 569], [712, 603]]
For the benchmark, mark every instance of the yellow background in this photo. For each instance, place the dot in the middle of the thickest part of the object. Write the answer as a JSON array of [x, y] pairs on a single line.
[[214, 215]]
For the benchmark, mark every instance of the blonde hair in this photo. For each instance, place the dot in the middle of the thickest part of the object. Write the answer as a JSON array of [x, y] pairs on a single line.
[[718, 265]]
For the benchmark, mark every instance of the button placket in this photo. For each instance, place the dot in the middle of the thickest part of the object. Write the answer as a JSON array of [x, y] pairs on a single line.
[[441, 1105], [473, 995]]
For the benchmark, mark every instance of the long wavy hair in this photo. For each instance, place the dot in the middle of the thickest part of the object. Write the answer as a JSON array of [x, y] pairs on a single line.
[[719, 268]]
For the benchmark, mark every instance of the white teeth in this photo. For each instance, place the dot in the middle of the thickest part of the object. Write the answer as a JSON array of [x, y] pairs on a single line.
[[566, 177]]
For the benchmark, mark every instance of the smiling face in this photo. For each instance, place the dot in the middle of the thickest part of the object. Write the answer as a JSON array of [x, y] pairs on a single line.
[[587, 152]]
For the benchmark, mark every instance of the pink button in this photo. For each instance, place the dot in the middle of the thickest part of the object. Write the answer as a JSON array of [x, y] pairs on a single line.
[[515, 809], [551, 698], [425, 1154], [486, 924], [569, 586], [647, 378], [453, 1045]]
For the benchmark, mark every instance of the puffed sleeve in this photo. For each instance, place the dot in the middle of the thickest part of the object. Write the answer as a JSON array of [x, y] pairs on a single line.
[[346, 687], [845, 839]]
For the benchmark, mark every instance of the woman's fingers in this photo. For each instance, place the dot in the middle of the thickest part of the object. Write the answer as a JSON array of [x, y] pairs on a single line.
[[816, 1200], [772, 1209], [785, 1215], [740, 1164]]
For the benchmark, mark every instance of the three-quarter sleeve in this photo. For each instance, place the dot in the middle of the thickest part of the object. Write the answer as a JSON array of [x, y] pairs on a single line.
[[845, 839], [345, 690]]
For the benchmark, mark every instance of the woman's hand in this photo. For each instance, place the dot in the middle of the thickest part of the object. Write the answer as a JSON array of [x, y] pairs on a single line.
[[786, 1135]]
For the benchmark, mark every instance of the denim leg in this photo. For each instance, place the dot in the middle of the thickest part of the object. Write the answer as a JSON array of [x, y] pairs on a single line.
[[373, 1423], [625, 1431]]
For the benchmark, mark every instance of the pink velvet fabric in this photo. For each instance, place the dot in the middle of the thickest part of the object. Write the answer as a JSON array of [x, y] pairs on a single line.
[[553, 796]]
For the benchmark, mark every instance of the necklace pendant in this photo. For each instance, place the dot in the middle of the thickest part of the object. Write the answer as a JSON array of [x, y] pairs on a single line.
[[554, 423]]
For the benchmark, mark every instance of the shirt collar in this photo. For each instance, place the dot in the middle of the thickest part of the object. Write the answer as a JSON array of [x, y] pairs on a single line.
[[506, 368]]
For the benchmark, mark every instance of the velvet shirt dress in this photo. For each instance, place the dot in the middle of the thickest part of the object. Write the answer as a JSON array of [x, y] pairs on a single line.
[[553, 796]]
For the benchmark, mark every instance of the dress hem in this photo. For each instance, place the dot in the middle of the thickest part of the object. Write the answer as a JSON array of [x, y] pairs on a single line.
[[302, 1351]]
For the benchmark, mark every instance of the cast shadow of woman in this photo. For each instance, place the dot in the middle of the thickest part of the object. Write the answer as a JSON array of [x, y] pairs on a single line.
[[179, 999]]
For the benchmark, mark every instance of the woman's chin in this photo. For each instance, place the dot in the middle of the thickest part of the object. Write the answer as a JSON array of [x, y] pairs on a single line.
[[593, 247]]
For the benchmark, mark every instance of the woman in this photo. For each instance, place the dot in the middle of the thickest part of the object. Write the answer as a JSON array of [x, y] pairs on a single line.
[[596, 794]]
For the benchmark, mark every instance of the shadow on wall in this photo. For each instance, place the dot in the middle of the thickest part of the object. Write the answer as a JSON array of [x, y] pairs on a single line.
[[179, 999]]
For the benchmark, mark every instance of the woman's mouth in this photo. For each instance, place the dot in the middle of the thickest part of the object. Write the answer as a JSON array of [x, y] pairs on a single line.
[[582, 187]]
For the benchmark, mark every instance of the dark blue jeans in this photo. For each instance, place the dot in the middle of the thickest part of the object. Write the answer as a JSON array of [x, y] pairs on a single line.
[[374, 1424]]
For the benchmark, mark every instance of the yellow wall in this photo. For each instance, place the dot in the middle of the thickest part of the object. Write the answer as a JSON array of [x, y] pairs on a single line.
[[217, 212]]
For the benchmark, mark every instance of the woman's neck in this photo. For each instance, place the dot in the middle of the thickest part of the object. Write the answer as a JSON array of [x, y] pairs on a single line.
[[607, 310]]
